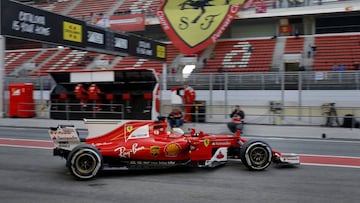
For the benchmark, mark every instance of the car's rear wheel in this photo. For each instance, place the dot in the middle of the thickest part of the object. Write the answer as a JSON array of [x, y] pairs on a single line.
[[84, 162], [256, 155]]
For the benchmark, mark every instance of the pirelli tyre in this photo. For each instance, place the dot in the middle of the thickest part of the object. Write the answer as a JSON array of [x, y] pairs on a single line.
[[84, 162], [256, 155]]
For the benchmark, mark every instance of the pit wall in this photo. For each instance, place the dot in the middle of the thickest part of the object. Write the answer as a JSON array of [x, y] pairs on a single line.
[[255, 103]]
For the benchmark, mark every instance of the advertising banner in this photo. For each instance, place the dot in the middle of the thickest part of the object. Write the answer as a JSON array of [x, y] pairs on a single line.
[[95, 37], [26, 22], [145, 48], [30, 23]]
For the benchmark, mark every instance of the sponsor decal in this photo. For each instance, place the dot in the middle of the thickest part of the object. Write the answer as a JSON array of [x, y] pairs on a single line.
[[172, 149], [221, 143], [31, 23], [129, 128], [193, 25], [121, 43], [15, 92], [220, 155], [95, 37], [137, 131], [64, 134], [153, 163], [160, 51], [72, 31], [206, 142], [126, 153], [144, 48], [155, 151]]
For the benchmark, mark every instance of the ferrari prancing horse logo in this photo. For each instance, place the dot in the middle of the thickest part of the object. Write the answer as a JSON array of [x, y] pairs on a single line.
[[193, 25], [129, 128], [206, 142]]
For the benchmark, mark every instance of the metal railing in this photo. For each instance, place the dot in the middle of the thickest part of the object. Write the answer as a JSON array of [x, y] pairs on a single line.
[[302, 80], [42, 110]]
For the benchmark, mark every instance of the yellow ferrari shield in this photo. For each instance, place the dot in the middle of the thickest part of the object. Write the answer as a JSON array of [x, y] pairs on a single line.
[[196, 23]]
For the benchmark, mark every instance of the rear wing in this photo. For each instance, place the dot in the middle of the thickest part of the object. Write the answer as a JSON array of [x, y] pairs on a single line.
[[64, 136]]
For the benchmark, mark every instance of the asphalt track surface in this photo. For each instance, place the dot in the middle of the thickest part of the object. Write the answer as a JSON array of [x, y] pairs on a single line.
[[29, 173]]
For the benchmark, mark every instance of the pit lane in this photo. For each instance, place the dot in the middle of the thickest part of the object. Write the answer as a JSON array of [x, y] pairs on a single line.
[[34, 175]]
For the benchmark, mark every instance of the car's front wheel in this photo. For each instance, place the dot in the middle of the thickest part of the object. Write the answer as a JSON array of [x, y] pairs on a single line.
[[256, 155], [84, 162]]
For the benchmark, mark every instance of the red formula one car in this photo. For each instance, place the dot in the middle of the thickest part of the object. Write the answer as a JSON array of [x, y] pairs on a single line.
[[149, 144]]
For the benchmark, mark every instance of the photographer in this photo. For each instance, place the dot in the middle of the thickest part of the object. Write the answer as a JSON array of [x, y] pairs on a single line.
[[237, 123], [175, 118]]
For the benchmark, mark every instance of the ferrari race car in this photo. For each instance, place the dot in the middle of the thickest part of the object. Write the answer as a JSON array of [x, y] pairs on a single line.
[[139, 144]]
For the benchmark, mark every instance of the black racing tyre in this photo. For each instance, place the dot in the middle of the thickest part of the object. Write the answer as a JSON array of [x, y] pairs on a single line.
[[256, 155], [84, 162]]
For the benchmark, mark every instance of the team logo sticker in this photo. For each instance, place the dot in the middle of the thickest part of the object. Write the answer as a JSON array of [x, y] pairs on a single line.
[[193, 25], [154, 151], [129, 128], [206, 142]]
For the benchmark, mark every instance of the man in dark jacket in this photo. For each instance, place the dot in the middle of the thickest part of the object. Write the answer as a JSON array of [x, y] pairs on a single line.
[[237, 119]]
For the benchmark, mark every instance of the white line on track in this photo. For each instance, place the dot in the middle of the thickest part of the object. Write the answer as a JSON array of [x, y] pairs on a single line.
[[23, 146], [30, 140], [330, 165], [306, 139]]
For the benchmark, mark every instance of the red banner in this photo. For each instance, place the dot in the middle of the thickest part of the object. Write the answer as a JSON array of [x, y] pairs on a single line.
[[261, 7], [125, 23]]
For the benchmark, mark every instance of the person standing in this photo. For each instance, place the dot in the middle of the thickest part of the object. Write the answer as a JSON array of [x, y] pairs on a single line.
[[94, 93], [188, 100], [81, 94]]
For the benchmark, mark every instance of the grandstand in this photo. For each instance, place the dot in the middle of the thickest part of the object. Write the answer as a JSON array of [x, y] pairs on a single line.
[[241, 56], [256, 30], [336, 49]]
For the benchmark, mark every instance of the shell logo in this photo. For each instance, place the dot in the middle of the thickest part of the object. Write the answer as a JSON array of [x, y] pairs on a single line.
[[172, 150]]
